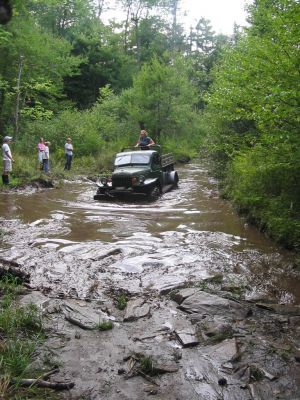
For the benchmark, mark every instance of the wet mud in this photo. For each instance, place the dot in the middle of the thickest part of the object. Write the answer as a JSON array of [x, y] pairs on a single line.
[[201, 305]]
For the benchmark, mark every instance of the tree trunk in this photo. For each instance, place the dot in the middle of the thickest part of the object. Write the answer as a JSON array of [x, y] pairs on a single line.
[[17, 112]]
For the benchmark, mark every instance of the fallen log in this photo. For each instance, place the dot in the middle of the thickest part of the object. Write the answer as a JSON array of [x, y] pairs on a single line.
[[47, 374], [164, 369], [147, 377], [43, 384]]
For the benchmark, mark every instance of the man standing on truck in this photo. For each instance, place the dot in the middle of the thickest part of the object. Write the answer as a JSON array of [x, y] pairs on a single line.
[[144, 139]]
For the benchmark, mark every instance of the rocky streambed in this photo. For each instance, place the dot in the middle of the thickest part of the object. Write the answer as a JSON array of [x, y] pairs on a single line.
[[175, 300]]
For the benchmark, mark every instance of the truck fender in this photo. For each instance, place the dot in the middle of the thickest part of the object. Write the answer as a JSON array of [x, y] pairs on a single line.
[[172, 177], [151, 181]]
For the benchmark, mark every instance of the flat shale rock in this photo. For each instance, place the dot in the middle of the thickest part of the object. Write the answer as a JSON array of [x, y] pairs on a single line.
[[187, 336], [209, 304], [261, 391], [203, 370], [83, 317], [136, 309], [183, 294]]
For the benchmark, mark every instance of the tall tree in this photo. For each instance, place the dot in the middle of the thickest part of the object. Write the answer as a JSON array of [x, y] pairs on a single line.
[[205, 48], [162, 99], [32, 68], [135, 11], [105, 63], [62, 16]]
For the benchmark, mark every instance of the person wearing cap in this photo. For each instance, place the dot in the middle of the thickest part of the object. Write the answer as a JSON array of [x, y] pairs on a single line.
[[68, 154], [7, 159], [46, 157]]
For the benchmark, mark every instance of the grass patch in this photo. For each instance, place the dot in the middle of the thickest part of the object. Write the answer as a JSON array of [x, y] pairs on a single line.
[[146, 364], [21, 332], [104, 326], [122, 302], [202, 285]]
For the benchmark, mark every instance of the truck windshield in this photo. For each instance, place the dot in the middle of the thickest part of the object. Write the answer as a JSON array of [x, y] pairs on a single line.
[[132, 159]]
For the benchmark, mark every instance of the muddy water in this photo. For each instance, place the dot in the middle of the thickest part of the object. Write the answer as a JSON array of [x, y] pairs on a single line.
[[80, 255], [186, 236]]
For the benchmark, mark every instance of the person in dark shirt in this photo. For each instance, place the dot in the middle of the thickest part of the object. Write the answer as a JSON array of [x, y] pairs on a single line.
[[144, 139]]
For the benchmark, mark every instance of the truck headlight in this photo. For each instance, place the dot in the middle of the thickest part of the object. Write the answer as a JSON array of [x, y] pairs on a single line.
[[104, 181], [134, 180], [142, 179]]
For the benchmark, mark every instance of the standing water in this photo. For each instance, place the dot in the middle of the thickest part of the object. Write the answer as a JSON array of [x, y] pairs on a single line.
[[190, 231]]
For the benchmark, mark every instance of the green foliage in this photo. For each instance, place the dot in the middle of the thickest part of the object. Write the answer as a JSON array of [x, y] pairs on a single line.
[[62, 18], [187, 150], [16, 356], [122, 302], [21, 320], [163, 99], [105, 63], [147, 366], [104, 326], [38, 64], [69, 123], [264, 184], [26, 168], [9, 287], [21, 332], [253, 107]]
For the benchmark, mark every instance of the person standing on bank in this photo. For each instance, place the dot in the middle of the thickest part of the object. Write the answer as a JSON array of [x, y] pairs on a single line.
[[7, 159], [46, 158], [68, 154], [40, 149], [144, 139]]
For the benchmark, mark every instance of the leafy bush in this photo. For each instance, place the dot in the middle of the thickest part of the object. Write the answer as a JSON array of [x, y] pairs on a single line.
[[264, 185]]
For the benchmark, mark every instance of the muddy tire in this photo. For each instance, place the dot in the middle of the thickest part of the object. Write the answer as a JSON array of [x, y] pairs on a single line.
[[154, 193]]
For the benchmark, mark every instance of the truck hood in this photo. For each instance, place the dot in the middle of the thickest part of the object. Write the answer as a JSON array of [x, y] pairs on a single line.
[[131, 171]]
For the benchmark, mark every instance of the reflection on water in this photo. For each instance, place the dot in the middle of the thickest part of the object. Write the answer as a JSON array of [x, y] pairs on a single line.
[[189, 226]]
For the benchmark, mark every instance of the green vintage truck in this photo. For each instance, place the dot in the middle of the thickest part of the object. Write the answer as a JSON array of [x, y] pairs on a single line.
[[139, 171]]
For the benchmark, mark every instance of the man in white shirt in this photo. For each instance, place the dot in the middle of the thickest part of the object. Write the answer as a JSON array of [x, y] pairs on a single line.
[[7, 159], [68, 154]]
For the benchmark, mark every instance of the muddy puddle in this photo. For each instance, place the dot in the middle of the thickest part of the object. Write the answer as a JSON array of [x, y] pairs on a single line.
[[203, 291]]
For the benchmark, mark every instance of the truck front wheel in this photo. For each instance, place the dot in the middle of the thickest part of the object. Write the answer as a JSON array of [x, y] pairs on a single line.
[[154, 193]]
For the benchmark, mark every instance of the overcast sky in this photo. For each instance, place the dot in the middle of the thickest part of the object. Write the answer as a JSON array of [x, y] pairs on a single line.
[[222, 13]]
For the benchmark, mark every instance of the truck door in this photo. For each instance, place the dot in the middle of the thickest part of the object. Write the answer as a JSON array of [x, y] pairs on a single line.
[[156, 162], [156, 167]]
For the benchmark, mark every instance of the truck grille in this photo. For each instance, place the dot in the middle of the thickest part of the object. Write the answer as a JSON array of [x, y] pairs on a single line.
[[121, 181]]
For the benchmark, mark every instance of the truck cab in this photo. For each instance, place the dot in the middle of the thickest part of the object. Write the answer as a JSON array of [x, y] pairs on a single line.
[[139, 171]]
